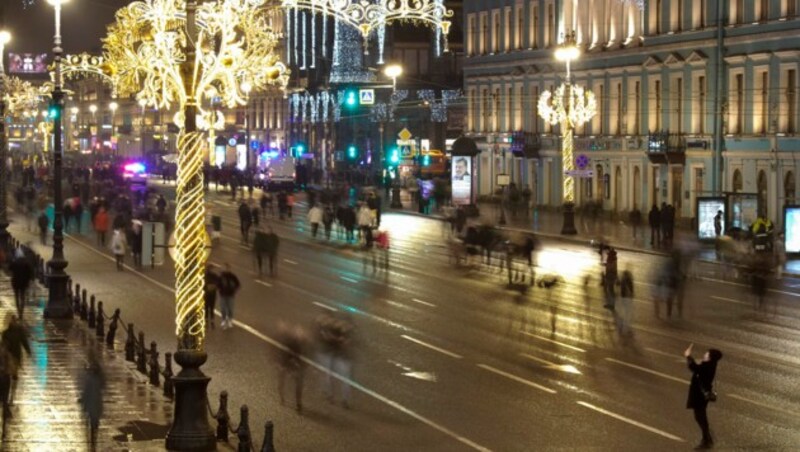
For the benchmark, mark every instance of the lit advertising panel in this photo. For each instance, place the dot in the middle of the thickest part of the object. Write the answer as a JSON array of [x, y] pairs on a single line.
[[27, 63]]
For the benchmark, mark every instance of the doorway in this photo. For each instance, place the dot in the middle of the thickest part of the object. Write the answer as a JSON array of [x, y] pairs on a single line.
[[637, 188], [677, 189], [618, 189]]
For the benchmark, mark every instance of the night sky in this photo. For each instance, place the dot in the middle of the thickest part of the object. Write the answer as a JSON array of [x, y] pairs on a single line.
[[83, 24]]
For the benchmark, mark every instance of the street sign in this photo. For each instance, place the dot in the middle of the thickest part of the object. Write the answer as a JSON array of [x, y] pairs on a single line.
[[405, 134], [579, 173], [503, 180], [366, 97]]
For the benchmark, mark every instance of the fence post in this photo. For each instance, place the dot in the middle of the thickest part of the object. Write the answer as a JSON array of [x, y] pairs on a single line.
[[155, 370], [112, 329], [91, 314], [243, 432], [84, 305], [222, 417], [99, 330], [169, 390], [141, 359], [268, 445], [130, 345], [76, 300]]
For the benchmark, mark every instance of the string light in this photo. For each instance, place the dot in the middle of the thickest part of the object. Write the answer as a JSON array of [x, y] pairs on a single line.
[[639, 3], [348, 57]]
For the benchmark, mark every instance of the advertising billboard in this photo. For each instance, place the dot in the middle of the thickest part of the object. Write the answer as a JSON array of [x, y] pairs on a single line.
[[27, 63], [461, 180], [707, 210], [791, 225]]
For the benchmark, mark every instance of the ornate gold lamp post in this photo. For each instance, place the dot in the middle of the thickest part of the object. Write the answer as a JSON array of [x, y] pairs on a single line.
[[570, 106], [180, 52]]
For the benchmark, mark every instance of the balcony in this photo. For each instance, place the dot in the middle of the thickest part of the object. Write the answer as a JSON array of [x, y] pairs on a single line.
[[666, 148]]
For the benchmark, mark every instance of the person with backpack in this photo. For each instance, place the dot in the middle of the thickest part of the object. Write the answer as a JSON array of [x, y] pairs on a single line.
[[228, 286]]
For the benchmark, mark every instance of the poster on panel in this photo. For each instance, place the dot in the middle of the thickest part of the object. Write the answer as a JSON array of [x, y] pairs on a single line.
[[462, 180]]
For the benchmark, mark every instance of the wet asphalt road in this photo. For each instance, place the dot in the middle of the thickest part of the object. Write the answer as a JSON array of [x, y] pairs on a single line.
[[447, 358]]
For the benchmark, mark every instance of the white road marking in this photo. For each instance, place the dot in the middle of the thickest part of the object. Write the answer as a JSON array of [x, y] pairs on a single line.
[[289, 261], [729, 300], [568, 368], [632, 422], [274, 343], [761, 404], [677, 357], [351, 280], [650, 371], [722, 281], [244, 247], [417, 300], [571, 347], [432, 347], [263, 283], [323, 306], [517, 379]]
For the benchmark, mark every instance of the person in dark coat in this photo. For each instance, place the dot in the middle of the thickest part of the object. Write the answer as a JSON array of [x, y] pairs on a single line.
[[259, 248], [701, 390], [15, 340], [654, 220], [210, 293], [272, 242], [245, 221], [93, 384], [21, 277], [44, 222]]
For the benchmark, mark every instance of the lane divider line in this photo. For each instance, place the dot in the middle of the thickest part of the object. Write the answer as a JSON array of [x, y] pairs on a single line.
[[729, 300], [571, 347], [674, 356], [432, 347], [350, 280], [763, 405], [245, 327], [631, 421], [649, 371], [289, 261], [517, 379], [263, 283], [324, 306], [417, 300]]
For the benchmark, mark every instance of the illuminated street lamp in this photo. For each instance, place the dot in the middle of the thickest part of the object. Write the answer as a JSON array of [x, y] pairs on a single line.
[[93, 110], [5, 38], [569, 106], [393, 71], [58, 304]]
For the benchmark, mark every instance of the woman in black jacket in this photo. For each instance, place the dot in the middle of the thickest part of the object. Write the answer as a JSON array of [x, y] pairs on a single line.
[[701, 390]]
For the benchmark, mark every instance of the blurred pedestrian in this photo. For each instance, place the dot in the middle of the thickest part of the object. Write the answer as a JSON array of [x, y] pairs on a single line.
[[5, 386], [314, 219], [22, 274], [335, 336], [136, 243], [282, 204], [635, 219], [780, 256], [624, 314], [118, 246], [654, 220], [259, 248], [327, 221], [701, 390], [15, 340], [290, 361], [272, 244], [93, 384], [78, 212], [718, 224], [227, 287], [44, 222], [266, 203], [245, 222], [255, 213], [289, 204], [382, 242], [610, 278], [210, 293], [101, 225]]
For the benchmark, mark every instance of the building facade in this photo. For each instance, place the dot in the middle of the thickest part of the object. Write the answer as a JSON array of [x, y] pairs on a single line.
[[694, 98]]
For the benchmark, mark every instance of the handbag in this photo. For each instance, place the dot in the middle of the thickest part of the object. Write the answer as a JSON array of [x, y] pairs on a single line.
[[710, 395]]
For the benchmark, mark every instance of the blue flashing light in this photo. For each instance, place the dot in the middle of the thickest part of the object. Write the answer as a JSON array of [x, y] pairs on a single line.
[[135, 168]]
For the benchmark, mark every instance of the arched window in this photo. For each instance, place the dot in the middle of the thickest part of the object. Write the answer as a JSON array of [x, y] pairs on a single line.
[[788, 188], [618, 189], [599, 193], [737, 181], [762, 192], [637, 187]]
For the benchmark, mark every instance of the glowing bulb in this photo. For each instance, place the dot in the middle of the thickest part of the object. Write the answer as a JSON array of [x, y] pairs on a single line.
[[5, 37]]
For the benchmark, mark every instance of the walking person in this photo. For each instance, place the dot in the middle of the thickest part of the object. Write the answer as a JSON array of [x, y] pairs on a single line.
[[272, 243], [118, 246], [93, 384], [335, 336], [282, 205], [15, 340], [289, 204], [259, 248], [291, 363], [635, 219], [21, 276], [701, 390], [625, 313], [654, 220], [266, 203], [314, 219], [5, 386], [327, 221], [136, 243], [382, 242], [610, 278], [43, 222], [228, 287], [210, 293], [245, 222], [101, 225]]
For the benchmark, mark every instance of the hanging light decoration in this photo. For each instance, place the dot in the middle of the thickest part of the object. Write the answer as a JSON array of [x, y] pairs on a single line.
[[639, 3], [367, 15]]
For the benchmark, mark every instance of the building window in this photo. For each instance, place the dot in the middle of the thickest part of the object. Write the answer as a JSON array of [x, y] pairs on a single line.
[[509, 31], [485, 110], [472, 35], [788, 188], [510, 110], [739, 12], [484, 41], [677, 15], [551, 25], [679, 105], [763, 10], [738, 183], [658, 104], [534, 27], [496, 32], [791, 8], [701, 107], [618, 120], [520, 27], [762, 102], [703, 13], [791, 100], [739, 123], [601, 109], [637, 90], [496, 110], [535, 104], [657, 16]]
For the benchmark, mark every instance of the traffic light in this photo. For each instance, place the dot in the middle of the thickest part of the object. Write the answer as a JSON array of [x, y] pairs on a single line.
[[53, 112], [352, 152], [426, 160], [394, 156], [298, 150], [351, 98]]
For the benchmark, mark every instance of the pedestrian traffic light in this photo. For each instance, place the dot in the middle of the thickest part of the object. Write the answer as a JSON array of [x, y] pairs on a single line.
[[394, 156], [351, 98], [53, 112], [298, 150], [426, 160], [352, 152]]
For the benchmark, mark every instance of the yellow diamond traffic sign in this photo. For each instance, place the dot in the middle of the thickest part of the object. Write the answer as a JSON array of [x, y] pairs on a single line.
[[405, 135]]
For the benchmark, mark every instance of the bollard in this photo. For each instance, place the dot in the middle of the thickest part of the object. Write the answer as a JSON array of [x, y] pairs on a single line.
[[130, 345], [141, 358], [91, 314], [112, 329], [99, 329], [268, 445], [76, 300], [169, 389], [155, 371], [243, 432], [222, 417], [84, 305]]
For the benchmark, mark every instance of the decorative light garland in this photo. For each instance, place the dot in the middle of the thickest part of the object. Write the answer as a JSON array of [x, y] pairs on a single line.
[[144, 51], [639, 3], [348, 58], [365, 15]]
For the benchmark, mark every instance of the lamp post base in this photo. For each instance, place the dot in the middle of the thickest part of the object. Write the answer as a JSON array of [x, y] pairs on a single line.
[[190, 429], [58, 302], [568, 227]]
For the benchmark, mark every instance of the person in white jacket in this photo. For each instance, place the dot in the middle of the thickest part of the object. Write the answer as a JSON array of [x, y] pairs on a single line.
[[364, 220], [314, 219], [118, 246]]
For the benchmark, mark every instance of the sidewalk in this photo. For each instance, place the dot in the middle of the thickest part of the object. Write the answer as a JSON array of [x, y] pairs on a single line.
[[46, 415]]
